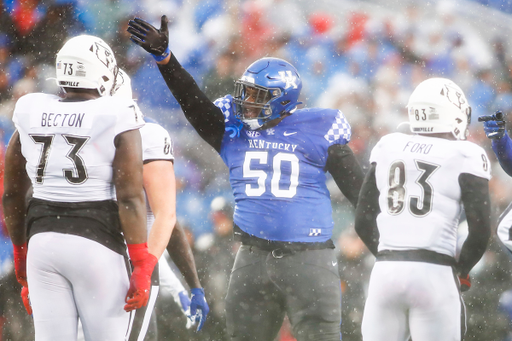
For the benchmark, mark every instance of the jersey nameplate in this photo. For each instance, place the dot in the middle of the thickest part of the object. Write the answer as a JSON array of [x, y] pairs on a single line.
[[56, 120]]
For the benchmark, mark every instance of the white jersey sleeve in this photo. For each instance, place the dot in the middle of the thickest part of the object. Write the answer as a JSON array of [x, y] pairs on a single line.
[[156, 143], [420, 196], [69, 146], [156, 146]]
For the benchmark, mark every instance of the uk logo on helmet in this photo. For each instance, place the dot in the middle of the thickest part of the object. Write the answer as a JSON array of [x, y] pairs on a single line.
[[289, 79]]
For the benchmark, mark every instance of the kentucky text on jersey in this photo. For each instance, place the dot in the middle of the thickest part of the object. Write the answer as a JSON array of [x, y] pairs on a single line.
[[261, 144], [62, 120], [420, 148]]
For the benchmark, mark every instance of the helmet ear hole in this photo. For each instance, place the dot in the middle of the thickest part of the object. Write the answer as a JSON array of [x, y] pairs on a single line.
[[285, 102], [105, 78]]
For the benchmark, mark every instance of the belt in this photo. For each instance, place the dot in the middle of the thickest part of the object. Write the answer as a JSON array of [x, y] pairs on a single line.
[[419, 255], [279, 248]]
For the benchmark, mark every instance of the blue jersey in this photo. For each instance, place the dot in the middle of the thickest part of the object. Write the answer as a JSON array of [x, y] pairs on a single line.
[[278, 174]]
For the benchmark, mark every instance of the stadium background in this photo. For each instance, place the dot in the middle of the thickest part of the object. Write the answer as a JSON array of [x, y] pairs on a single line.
[[363, 57]]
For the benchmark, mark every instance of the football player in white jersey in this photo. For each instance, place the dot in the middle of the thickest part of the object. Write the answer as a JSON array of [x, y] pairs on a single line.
[[160, 191], [408, 214], [82, 157]]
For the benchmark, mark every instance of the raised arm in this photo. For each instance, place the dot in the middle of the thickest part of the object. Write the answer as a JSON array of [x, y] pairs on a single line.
[[494, 127], [202, 114]]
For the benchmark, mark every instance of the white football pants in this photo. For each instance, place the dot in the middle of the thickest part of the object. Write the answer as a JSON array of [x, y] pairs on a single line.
[[416, 299], [71, 276]]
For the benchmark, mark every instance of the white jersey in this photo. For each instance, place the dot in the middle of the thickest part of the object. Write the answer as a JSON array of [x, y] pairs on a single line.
[[420, 196], [69, 146], [156, 145]]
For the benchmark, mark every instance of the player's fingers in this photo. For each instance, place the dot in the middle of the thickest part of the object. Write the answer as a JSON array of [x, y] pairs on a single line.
[[142, 23], [136, 40], [136, 26], [163, 23], [137, 33], [486, 118]]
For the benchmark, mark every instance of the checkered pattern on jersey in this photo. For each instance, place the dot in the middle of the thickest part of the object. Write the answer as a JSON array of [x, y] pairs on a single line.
[[225, 105], [340, 131]]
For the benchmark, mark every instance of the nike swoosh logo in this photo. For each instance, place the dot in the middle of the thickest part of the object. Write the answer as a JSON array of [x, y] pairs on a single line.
[[334, 263], [288, 134]]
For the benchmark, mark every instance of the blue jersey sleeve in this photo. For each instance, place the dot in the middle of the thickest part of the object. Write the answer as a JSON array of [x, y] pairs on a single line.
[[503, 150], [340, 131]]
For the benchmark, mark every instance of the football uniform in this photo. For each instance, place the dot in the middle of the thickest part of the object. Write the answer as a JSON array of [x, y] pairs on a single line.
[[73, 221], [278, 174], [278, 181], [413, 288]]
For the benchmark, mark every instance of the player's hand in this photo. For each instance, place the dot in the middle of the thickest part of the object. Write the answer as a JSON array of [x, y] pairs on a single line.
[[151, 39], [465, 282], [140, 280], [494, 125], [26, 300], [20, 263], [184, 301], [198, 307]]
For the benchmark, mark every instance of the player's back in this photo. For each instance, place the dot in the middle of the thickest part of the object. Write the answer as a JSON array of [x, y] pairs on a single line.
[[69, 146], [420, 196]]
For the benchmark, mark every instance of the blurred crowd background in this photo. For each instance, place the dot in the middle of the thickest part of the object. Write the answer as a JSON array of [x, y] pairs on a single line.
[[363, 57]]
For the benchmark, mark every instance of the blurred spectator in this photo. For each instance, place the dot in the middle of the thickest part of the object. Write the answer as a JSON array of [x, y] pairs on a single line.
[[220, 77], [355, 263], [214, 257]]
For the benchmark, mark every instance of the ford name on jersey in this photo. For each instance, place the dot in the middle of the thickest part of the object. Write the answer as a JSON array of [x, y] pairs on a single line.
[[62, 120], [261, 144], [420, 148]]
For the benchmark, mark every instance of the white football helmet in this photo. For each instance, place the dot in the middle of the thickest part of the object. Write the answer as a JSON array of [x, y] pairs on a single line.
[[438, 105], [87, 62], [123, 86]]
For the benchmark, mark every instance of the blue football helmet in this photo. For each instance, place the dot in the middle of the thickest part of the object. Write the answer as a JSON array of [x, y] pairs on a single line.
[[268, 89]]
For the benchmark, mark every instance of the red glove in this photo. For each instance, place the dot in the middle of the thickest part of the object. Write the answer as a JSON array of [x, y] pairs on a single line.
[[140, 281], [20, 263], [26, 300], [465, 283]]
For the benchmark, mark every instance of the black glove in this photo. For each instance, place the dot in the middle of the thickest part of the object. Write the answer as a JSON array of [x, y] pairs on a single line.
[[149, 38], [494, 125], [465, 282]]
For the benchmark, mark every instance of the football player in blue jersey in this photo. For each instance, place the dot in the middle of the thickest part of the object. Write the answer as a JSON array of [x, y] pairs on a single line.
[[494, 127], [277, 157]]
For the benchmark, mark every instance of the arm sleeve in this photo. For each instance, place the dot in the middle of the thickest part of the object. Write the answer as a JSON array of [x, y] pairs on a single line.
[[367, 210], [345, 170], [203, 115], [475, 197], [503, 150]]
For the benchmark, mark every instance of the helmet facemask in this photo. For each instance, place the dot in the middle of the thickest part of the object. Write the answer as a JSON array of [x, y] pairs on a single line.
[[252, 103]]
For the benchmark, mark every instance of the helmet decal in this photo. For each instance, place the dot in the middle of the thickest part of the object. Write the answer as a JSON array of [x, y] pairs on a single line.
[[268, 89], [289, 79]]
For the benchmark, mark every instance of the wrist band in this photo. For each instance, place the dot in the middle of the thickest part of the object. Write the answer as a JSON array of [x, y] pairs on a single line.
[[163, 55]]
